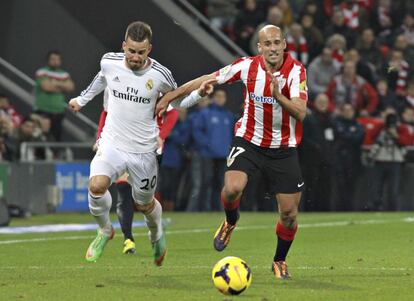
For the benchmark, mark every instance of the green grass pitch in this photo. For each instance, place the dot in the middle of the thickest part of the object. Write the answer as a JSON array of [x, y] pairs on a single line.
[[335, 256]]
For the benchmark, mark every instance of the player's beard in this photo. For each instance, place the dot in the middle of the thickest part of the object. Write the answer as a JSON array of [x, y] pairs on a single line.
[[134, 65]]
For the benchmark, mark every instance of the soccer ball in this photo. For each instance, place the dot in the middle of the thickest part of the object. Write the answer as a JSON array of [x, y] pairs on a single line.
[[231, 275]]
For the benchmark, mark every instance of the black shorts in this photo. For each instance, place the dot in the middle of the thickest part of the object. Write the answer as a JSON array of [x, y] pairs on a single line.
[[279, 166]]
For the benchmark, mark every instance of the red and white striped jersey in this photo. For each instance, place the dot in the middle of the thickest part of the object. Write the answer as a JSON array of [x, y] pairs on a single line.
[[264, 122]]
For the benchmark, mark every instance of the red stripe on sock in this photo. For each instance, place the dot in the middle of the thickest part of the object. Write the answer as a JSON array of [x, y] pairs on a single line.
[[230, 205], [285, 233]]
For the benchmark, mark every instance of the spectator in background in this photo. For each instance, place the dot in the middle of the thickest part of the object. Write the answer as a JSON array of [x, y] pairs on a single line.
[[320, 72], [381, 19], [220, 125], [337, 26], [28, 131], [355, 14], [297, 44], [274, 17], [317, 156], [386, 98], [51, 84], [248, 18], [337, 44], [173, 161], [362, 67], [388, 154], [369, 50], [199, 148], [349, 135], [407, 28], [287, 12], [221, 13], [401, 44], [408, 100], [406, 129], [348, 87], [314, 8], [312, 35], [8, 111], [5, 153], [397, 72]]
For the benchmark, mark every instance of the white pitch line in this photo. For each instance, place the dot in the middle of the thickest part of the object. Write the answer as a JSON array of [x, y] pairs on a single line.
[[196, 267], [204, 230]]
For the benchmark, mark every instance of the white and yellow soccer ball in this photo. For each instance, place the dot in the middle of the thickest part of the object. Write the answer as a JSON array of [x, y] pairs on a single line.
[[231, 275]]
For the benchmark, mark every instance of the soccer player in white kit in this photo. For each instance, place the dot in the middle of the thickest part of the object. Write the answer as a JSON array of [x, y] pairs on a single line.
[[129, 138]]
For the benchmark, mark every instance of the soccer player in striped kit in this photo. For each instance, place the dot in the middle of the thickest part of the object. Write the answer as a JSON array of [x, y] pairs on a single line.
[[275, 97]]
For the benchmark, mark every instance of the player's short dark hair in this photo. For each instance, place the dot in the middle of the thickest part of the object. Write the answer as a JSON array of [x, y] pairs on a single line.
[[51, 52], [139, 31]]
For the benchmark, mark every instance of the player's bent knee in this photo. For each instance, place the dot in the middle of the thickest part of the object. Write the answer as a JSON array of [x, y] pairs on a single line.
[[232, 191], [145, 208], [98, 185]]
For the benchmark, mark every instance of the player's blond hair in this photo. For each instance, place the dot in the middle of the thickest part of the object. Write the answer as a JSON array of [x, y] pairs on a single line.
[[139, 31]]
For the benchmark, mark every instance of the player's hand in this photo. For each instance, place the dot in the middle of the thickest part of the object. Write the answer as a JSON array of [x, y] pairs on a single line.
[[207, 87], [274, 86], [74, 106], [162, 105], [160, 142], [95, 146]]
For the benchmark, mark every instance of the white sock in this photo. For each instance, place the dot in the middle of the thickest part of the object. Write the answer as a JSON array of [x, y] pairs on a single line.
[[154, 222], [99, 208]]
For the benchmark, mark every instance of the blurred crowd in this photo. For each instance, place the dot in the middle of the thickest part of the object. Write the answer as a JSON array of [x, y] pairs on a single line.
[[359, 56], [44, 122]]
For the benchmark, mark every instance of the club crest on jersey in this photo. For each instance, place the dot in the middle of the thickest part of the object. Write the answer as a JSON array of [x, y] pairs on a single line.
[[302, 86], [150, 84], [225, 70], [282, 82]]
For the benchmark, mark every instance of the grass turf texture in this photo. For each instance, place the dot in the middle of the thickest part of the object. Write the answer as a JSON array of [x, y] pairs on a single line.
[[334, 257]]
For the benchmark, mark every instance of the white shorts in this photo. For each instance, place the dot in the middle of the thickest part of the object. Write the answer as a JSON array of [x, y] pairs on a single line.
[[142, 168]]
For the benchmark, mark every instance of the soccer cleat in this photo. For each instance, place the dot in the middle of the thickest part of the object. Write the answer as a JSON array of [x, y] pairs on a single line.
[[97, 246], [129, 247], [160, 250], [280, 270], [222, 236]]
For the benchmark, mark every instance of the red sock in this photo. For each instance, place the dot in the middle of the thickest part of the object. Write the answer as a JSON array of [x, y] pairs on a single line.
[[231, 209], [285, 237]]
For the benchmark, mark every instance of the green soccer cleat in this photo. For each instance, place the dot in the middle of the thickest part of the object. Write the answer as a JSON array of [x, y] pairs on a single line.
[[160, 250], [97, 246]]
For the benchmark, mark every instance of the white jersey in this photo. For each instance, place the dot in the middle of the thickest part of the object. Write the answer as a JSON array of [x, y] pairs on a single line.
[[130, 124]]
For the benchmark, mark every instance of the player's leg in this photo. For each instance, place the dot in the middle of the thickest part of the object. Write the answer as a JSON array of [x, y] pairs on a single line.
[[286, 228], [125, 212], [234, 183], [99, 198], [283, 172], [143, 171], [240, 162]]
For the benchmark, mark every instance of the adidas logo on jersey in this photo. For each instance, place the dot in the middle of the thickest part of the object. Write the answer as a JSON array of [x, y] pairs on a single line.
[[116, 79]]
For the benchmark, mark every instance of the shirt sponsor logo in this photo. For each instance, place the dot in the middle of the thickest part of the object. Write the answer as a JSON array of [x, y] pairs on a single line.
[[262, 99], [131, 97]]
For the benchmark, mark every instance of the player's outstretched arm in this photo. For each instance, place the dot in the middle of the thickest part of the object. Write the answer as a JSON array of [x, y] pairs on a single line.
[[296, 106], [206, 88], [181, 91]]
